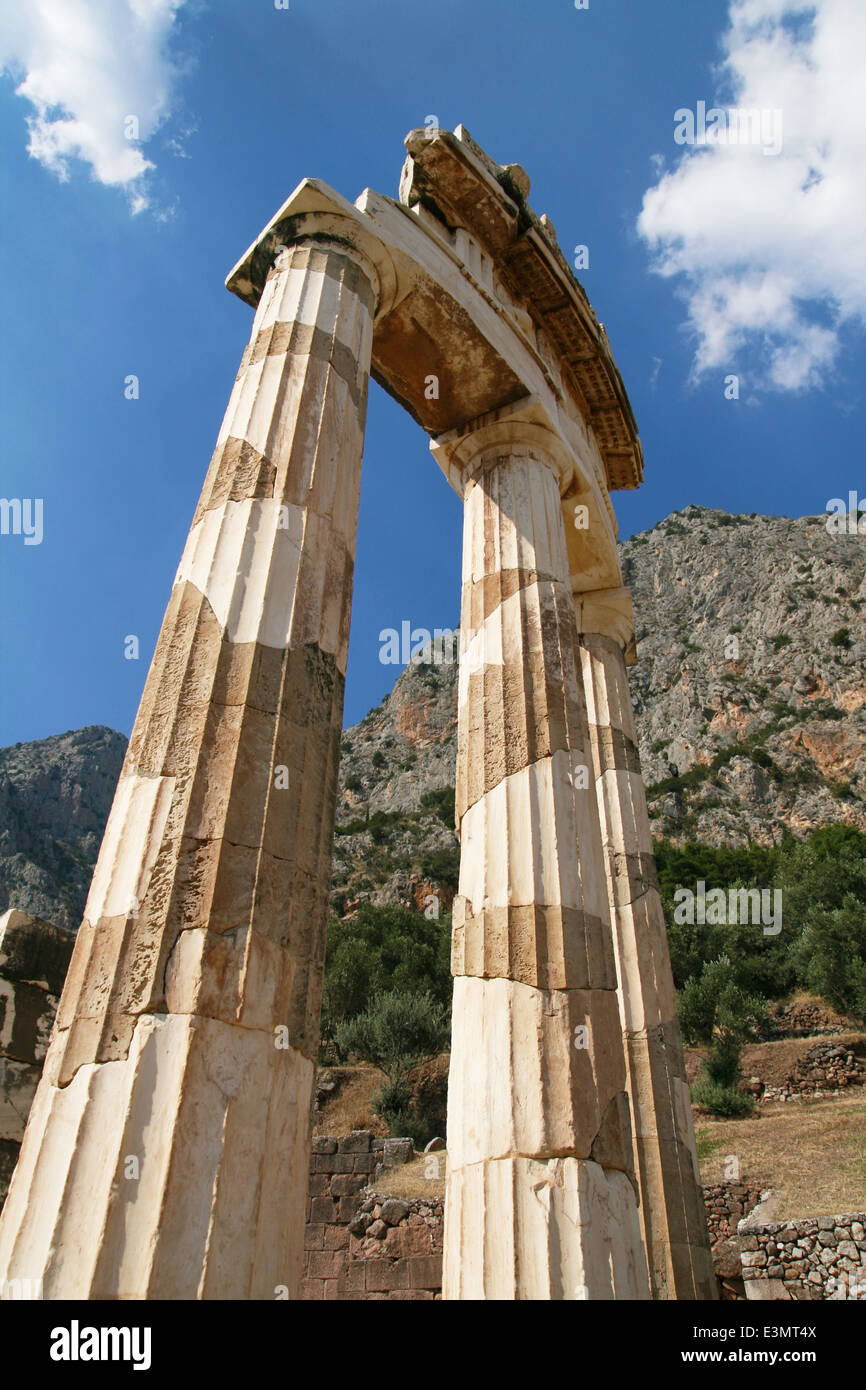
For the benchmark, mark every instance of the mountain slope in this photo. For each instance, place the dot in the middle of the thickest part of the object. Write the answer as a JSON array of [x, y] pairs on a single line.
[[55, 795]]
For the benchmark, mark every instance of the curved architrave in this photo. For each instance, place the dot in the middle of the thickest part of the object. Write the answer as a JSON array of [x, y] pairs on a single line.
[[438, 319]]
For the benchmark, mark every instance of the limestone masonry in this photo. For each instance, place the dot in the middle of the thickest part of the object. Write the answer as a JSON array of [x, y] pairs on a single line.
[[185, 1041]]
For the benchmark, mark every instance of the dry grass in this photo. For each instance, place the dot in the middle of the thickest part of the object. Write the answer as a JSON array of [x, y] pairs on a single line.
[[351, 1104], [423, 1177], [812, 1153]]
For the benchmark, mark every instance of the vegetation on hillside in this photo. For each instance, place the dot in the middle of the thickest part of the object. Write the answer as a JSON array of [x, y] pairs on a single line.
[[388, 984]]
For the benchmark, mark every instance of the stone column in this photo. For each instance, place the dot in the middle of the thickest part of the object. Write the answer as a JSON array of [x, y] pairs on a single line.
[[167, 1150], [672, 1206], [540, 1203]]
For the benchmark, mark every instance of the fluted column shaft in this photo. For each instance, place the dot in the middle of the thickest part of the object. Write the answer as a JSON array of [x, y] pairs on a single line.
[[672, 1208], [540, 1201], [167, 1150]]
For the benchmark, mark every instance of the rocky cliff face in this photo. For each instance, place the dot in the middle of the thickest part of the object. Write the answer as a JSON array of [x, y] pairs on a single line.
[[749, 692], [55, 795], [750, 687]]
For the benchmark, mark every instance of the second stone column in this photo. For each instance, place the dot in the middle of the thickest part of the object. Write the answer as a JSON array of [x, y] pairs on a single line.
[[541, 1199], [672, 1208]]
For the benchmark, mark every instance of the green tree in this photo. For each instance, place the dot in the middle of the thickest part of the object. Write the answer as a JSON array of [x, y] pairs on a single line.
[[715, 1004], [714, 1009], [831, 954], [761, 962], [816, 874], [383, 948], [396, 1032]]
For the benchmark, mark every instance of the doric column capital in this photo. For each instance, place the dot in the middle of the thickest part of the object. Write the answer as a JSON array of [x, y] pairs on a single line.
[[609, 613], [316, 214], [521, 430]]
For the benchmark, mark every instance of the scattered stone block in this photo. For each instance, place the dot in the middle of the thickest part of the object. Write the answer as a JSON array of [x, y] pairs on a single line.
[[394, 1211]]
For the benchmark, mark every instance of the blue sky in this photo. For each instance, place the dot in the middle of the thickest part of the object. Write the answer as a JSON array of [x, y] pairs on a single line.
[[115, 268]]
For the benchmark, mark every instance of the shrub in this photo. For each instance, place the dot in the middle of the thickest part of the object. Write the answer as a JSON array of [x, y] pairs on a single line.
[[713, 1008], [763, 759], [842, 638], [442, 866], [397, 1030], [406, 1112], [383, 948], [392, 1101], [441, 804], [725, 1101], [842, 789]]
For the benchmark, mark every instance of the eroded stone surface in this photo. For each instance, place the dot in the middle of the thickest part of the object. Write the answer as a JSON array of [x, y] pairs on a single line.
[[557, 1229]]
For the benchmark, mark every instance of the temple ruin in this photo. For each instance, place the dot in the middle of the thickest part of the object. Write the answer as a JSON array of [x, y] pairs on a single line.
[[167, 1150]]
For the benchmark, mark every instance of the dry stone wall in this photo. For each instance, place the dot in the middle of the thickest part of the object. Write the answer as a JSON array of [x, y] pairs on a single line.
[[826, 1069], [817, 1258], [726, 1204], [359, 1245]]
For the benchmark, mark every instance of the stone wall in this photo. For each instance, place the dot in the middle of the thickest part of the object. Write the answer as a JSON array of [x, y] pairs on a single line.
[[820, 1257], [726, 1204], [34, 957], [825, 1070], [360, 1245]]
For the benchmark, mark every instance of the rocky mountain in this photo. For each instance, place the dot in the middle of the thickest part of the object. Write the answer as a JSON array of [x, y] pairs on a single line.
[[750, 700], [55, 795], [749, 694]]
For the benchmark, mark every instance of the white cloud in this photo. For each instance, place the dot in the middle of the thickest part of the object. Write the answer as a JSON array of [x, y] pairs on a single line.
[[771, 248], [85, 66]]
